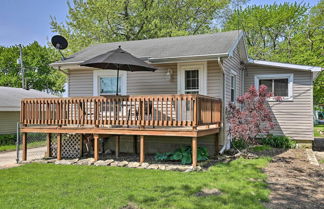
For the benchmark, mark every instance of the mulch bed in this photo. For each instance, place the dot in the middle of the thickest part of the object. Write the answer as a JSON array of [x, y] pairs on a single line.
[[294, 182]]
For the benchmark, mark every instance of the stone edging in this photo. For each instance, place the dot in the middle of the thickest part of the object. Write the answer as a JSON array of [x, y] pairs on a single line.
[[111, 162]]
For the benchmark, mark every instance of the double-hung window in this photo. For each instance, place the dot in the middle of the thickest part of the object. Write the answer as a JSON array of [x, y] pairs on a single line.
[[233, 88], [279, 85]]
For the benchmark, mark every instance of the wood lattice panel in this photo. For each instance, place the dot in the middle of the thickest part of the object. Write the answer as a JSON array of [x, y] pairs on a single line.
[[71, 145]]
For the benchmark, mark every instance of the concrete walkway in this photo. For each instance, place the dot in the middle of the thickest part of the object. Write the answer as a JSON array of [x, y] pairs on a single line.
[[8, 159]]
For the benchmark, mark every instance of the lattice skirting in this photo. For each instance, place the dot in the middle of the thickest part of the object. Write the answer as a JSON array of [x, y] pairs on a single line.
[[71, 145]]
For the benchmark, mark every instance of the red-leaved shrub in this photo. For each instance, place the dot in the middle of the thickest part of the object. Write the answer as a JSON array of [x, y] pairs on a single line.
[[251, 116]]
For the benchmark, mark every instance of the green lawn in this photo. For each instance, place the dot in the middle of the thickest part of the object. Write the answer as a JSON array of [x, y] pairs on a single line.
[[58, 186], [317, 128], [30, 145]]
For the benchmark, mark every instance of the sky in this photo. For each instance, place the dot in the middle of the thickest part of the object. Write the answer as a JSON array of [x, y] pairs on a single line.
[[25, 21]]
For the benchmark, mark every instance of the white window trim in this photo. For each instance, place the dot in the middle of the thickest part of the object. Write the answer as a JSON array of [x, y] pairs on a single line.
[[290, 78], [202, 67], [103, 73]]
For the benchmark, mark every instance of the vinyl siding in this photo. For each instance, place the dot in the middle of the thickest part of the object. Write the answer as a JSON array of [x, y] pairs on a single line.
[[232, 64], [143, 83], [8, 122], [292, 118], [80, 83]]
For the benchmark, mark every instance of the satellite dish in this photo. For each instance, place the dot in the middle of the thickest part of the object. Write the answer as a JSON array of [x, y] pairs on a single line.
[[60, 43]]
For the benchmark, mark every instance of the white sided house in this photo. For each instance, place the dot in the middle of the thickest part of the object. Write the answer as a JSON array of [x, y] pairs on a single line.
[[213, 65]]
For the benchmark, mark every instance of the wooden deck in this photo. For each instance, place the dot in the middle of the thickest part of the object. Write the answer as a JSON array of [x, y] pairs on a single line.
[[152, 115]]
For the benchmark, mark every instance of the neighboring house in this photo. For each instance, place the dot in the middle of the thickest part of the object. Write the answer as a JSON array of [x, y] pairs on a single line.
[[216, 65], [10, 99]]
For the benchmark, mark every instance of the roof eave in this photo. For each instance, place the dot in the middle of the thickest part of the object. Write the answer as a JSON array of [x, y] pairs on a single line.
[[286, 65], [69, 65]]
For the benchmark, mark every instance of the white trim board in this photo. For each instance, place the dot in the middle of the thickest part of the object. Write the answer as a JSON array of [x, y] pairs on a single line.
[[99, 73], [289, 76]]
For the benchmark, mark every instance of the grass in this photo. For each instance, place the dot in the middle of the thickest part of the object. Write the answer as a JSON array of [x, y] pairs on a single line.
[[71, 186], [30, 145], [317, 129], [260, 148]]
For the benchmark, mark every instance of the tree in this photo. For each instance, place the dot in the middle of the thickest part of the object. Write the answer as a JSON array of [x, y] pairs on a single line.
[[98, 21], [290, 33], [39, 75], [251, 117]]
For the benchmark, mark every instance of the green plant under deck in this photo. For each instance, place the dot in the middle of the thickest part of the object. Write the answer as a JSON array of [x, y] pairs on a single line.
[[59, 186]]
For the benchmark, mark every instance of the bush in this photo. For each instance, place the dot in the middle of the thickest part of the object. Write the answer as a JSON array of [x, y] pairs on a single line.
[[239, 144], [7, 139], [183, 154], [278, 141]]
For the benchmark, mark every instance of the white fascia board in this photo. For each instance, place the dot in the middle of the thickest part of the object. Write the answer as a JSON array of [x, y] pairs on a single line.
[[286, 65], [187, 58]]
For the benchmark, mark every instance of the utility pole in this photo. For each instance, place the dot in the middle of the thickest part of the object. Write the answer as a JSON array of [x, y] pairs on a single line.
[[22, 70]]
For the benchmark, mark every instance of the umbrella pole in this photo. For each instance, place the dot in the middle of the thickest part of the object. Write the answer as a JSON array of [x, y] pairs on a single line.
[[117, 80]]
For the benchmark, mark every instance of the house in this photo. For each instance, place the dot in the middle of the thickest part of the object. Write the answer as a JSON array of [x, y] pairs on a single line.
[[10, 99], [185, 98]]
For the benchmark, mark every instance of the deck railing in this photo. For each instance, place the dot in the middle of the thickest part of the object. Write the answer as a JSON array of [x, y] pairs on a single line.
[[153, 110]]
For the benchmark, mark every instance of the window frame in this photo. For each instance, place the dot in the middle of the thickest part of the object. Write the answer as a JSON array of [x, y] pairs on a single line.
[[109, 73], [290, 78]]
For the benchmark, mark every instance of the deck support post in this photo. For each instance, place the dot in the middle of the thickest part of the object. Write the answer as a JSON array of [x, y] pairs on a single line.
[[49, 142], [24, 146], [59, 147], [117, 146], [96, 147], [142, 151], [194, 152]]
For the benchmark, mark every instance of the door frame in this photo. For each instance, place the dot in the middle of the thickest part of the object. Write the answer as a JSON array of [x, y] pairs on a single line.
[[201, 66]]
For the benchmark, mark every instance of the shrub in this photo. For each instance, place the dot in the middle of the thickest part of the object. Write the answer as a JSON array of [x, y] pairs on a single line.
[[7, 139], [278, 141], [183, 154], [239, 144], [252, 116], [260, 148]]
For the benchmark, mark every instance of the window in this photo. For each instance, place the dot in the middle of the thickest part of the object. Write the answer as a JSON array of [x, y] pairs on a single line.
[[233, 88], [105, 82], [278, 84], [108, 85], [191, 81], [278, 87]]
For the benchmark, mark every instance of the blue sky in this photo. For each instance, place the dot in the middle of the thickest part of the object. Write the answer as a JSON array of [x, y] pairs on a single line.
[[24, 21]]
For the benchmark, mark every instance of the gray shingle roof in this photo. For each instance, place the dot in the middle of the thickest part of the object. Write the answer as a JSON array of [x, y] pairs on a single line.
[[10, 97], [181, 46]]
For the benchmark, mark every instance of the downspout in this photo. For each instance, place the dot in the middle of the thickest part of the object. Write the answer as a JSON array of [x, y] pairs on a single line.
[[227, 143]]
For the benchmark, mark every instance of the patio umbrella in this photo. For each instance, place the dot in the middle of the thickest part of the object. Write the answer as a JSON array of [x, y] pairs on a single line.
[[118, 59]]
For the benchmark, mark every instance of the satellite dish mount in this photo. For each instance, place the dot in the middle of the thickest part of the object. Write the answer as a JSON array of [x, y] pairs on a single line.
[[60, 43]]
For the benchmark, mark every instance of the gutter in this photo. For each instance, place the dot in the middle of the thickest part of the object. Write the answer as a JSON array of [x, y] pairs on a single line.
[[64, 65], [227, 143]]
